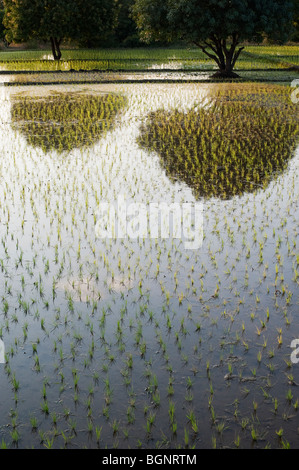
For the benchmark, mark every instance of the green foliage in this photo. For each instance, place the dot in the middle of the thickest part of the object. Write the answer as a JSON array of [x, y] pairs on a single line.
[[295, 36], [94, 21], [237, 144], [62, 122], [199, 20], [216, 27], [2, 29], [57, 20], [25, 19], [126, 32]]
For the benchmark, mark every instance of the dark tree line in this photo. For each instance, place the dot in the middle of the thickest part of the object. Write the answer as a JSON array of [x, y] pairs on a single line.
[[89, 23], [217, 27]]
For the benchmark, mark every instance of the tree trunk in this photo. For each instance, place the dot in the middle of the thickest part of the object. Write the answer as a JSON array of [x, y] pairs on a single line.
[[224, 57], [55, 44], [226, 72]]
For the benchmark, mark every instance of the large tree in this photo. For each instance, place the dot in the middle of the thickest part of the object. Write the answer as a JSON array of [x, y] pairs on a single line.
[[217, 27], [55, 20]]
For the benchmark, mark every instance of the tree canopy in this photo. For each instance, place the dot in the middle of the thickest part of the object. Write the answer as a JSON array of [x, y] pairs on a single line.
[[56, 20], [296, 20], [126, 30], [217, 27]]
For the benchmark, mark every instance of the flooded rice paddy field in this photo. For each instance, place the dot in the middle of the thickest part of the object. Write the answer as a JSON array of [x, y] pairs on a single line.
[[126, 343]]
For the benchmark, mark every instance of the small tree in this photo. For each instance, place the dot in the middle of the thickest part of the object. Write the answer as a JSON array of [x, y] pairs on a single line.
[[217, 27], [55, 20]]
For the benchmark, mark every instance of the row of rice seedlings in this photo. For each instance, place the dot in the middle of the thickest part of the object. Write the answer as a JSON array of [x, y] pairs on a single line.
[[42, 60], [105, 65], [104, 54]]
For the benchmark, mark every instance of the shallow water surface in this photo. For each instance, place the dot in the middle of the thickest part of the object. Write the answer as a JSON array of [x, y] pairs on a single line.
[[126, 343]]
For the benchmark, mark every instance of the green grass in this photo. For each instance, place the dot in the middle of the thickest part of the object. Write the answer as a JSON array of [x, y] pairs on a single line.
[[100, 54], [254, 57], [276, 54]]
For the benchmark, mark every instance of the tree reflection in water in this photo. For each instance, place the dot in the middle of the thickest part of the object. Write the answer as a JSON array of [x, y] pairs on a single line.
[[65, 121]]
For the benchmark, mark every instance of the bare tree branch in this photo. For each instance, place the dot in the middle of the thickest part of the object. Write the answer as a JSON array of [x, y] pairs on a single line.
[[237, 54], [211, 47], [212, 56]]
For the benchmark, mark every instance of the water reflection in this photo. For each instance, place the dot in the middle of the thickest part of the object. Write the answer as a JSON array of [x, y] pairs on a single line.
[[167, 309], [64, 121], [237, 145]]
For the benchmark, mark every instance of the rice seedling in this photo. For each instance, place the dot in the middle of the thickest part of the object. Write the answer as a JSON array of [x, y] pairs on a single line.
[[15, 383], [254, 434], [45, 407], [285, 444], [193, 422], [34, 423], [289, 396], [279, 433], [15, 436]]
